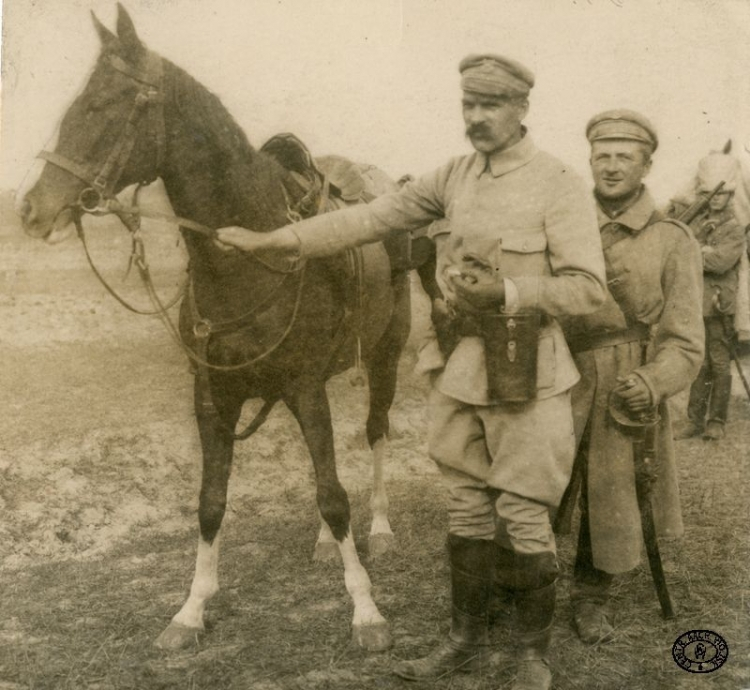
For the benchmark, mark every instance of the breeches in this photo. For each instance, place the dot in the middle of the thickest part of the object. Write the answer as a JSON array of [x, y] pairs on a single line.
[[522, 449], [478, 511]]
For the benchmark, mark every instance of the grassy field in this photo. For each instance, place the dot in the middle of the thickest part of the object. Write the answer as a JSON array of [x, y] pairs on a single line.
[[281, 621], [99, 471]]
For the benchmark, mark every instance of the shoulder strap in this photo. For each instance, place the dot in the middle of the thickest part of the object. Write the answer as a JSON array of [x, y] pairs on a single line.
[[679, 224]]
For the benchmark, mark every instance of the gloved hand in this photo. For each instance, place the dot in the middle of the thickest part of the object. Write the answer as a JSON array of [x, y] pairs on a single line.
[[635, 394], [477, 292]]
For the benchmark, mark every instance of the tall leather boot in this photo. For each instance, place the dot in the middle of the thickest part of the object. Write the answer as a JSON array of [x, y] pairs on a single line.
[[467, 646], [503, 585], [700, 392], [535, 611], [719, 407]]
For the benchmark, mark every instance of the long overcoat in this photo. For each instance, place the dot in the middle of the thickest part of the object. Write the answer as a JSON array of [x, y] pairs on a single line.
[[654, 277]]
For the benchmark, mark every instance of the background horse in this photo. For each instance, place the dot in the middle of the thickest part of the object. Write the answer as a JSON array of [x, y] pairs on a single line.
[[252, 329]]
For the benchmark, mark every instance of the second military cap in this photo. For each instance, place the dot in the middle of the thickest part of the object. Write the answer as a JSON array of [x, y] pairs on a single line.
[[495, 75], [622, 124]]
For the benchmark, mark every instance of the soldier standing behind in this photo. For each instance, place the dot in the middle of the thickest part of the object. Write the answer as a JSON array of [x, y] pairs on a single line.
[[521, 250], [722, 242], [654, 281]]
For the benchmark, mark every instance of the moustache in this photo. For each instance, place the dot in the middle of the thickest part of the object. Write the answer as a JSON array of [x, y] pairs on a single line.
[[472, 130]]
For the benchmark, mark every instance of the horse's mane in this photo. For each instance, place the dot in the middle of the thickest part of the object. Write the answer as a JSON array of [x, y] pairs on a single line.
[[249, 179]]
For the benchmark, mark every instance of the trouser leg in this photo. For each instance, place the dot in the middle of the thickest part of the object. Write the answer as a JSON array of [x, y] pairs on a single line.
[[700, 392], [717, 351], [720, 396]]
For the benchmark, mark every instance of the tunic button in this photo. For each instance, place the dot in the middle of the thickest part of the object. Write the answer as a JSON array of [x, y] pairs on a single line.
[[524, 246]]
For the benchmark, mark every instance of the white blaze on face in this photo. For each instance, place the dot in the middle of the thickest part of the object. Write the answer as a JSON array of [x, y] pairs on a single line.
[[35, 171]]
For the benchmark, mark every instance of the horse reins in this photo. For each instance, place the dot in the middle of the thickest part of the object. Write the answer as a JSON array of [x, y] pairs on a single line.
[[99, 199]]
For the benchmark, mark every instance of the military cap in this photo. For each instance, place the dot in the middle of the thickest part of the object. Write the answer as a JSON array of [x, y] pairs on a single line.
[[495, 75], [622, 124]]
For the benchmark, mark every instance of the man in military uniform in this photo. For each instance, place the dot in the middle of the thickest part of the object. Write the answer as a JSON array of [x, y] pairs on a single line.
[[519, 250], [722, 242], [654, 283]]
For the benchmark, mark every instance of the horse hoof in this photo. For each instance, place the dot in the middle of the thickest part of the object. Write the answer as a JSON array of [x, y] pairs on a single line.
[[177, 636], [326, 552], [373, 637], [380, 544]]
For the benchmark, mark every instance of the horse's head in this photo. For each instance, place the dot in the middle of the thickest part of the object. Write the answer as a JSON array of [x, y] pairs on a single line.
[[110, 137], [715, 168]]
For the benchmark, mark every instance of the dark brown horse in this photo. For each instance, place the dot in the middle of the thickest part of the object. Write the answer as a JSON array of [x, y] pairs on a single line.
[[253, 329]]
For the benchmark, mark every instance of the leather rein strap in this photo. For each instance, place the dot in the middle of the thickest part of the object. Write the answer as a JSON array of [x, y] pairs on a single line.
[[98, 199], [148, 100]]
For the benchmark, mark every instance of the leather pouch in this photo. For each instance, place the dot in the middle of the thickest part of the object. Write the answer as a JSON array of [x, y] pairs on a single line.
[[511, 345]]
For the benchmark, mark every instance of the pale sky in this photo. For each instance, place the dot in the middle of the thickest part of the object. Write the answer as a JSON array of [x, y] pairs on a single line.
[[377, 80]]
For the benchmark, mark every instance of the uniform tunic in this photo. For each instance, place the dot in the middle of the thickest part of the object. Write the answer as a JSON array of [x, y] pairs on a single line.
[[654, 278], [551, 251], [722, 241]]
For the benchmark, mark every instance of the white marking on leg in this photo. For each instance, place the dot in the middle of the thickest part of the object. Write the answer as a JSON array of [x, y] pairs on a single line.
[[358, 585], [325, 536], [379, 498], [205, 585]]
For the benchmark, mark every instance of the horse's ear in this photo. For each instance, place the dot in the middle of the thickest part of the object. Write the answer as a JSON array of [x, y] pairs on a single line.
[[727, 147], [127, 34], [105, 35]]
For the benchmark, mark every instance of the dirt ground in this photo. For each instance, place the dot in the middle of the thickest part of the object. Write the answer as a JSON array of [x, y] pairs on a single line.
[[99, 474]]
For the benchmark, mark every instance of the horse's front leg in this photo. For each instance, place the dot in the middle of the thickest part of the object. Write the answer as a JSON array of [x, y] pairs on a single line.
[[310, 406], [218, 446]]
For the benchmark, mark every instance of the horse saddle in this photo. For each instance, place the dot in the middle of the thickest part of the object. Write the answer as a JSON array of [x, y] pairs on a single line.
[[345, 178], [362, 274], [348, 183]]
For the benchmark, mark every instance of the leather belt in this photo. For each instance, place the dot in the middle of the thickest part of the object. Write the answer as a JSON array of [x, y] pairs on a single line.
[[585, 341], [467, 325]]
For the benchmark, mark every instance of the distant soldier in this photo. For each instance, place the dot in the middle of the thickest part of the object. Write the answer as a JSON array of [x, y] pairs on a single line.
[[654, 287], [722, 243]]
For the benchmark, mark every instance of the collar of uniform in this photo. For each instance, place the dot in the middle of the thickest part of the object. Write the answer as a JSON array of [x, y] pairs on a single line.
[[635, 217], [507, 160]]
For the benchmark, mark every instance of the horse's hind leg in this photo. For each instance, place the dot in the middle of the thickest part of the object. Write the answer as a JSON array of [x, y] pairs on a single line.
[[382, 368], [310, 407], [217, 447]]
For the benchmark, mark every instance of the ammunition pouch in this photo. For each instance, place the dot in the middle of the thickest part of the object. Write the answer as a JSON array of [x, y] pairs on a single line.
[[511, 345]]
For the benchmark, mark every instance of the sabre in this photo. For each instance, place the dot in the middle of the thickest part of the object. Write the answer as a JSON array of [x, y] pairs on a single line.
[[642, 432]]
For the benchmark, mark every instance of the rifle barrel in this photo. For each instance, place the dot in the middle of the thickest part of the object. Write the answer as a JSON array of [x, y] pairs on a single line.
[[697, 207]]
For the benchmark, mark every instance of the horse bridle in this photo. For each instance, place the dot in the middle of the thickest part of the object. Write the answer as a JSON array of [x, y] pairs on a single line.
[[149, 100], [99, 199]]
